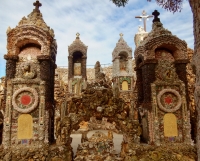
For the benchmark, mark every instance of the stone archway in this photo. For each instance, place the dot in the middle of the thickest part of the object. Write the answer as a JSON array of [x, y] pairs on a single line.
[[98, 100]]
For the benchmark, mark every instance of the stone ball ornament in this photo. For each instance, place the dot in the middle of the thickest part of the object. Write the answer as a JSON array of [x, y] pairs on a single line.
[[25, 99], [169, 100], [99, 109]]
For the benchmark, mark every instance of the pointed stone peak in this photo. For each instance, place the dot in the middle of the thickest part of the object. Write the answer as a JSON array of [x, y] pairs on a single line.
[[35, 18], [121, 45], [77, 45], [157, 29], [77, 40], [121, 39]]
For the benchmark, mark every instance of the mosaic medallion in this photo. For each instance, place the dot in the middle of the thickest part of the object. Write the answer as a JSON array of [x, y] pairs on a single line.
[[25, 99], [169, 100]]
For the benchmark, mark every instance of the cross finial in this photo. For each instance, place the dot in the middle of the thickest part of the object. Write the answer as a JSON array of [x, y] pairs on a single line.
[[37, 4], [156, 14], [121, 35], [77, 35]]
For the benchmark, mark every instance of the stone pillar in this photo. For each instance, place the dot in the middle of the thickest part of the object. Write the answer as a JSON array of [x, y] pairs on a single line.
[[117, 68], [139, 86], [10, 65], [130, 65], [45, 75], [195, 6], [70, 61], [83, 68], [148, 77], [181, 71]]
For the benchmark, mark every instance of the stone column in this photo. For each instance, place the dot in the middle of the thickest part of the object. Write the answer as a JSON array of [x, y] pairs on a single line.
[[83, 67], [148, 77], [139, 86], [10, 74], [117, 66], [70, 61], [10, 65], [130, 72], [180, 66], [195, 6], [45, 75]]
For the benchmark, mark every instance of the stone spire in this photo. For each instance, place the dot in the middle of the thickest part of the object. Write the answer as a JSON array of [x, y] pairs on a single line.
[[77, 43], [35, 18], [37, 4], [122, 50], [121, 46]]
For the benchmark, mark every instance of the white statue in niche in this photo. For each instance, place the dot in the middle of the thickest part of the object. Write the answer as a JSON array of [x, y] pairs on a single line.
[[122, 62], [77, 69]]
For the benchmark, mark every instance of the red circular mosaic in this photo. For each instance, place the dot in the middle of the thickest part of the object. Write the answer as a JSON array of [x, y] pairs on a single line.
[[25, 99]]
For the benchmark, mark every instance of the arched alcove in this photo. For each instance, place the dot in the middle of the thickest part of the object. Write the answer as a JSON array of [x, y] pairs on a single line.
[[77, 63], [27, 43], [170, 125], [25, 127], [123, 61], [124, 85]]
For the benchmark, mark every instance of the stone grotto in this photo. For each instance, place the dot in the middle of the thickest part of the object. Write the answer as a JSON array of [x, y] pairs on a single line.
[[149, 100]]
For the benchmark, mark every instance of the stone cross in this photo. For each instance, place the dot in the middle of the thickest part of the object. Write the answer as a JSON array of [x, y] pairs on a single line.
[[156, 14], [37, 4], [144, 17], [77, 35]]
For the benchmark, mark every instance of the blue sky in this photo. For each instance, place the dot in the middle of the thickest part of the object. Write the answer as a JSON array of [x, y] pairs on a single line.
[[99, 23]]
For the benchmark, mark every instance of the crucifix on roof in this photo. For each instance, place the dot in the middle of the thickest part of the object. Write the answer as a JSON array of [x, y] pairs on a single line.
[[144, 17], [37, 4]]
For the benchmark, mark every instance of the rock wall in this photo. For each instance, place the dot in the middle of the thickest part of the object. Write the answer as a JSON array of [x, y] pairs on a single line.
[[63, 73], [195, 6]]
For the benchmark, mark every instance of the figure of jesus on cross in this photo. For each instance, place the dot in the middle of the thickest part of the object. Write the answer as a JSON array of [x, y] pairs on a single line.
[[144, 17]]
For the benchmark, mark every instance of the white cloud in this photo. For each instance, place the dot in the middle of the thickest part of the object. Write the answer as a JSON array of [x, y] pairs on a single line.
[[99, 24]]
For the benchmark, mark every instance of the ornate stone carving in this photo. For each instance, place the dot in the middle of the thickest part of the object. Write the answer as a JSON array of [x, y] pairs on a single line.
[[28, 102], [98, 147], [77, 45], [30, 77], [172, 103], [27, 70], [153, 41]]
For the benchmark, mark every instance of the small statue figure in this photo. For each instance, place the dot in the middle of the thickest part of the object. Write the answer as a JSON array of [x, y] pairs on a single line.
[[84, 137], [116, 90], [110, 135], [98, 71], [58, 128], [65, 129], [27, 72]]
